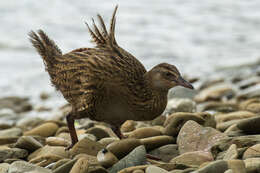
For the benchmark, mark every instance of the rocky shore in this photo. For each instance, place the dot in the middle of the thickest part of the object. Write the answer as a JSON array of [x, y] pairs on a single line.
[[214, 129]]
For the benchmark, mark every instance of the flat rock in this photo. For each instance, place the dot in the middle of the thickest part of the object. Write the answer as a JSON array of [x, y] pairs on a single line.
[[157, 141], [252, 165], [49, 151], [12, 132], [154, 169], [28, 143], [231, 153], [175, 121], [195, 158], [12, 153], [194, 137], [250, 125], [144, 132], [86, 146], [22, 167], [44, 130], [214, 167], [166, 152], [251, 152], [123, 147], [134, 158], [4, 167]]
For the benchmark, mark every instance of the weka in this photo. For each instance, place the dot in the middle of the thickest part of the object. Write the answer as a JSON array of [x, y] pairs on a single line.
[[106, 83]]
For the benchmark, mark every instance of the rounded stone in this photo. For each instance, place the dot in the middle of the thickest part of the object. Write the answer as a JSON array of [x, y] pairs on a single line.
[[128, 126], [12, 153], [45, 130], [22, 167], [237, 166], [86, 146], [28, 143], [144, 132], [81, 166], [214, 167], [12, 132], [157, 141], [98, 132], [231, 153], [175, 121], [252, 152], [166, 152], [106, 158], [123, 147], [250, 125], [107, 141], [56, 141], [252, 165]]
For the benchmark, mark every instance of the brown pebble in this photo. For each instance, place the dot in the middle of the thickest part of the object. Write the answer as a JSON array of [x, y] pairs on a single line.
[[45, 130]]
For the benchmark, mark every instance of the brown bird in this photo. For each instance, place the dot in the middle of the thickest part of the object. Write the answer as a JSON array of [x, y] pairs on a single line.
[[106, 83]]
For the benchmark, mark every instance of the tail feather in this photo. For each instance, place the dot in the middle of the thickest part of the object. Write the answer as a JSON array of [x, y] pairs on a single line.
[[45, 47], [100, 36]]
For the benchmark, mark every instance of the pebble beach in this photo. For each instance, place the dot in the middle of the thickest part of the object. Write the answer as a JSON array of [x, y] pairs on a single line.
[[212, 129]]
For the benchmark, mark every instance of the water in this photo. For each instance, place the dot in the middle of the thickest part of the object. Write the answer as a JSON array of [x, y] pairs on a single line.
[[196, 36]]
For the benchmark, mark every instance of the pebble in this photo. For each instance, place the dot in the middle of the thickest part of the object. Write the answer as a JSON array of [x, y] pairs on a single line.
[[99, 133], [66, 167], [250, 125], [252, 165], [106, 158], [237, 166], [81, 166], [231, 153], [47, 151], [213, 167], [17, 104], [180, 105], [28, 143], [251, 152], [154, 169], [4, 167], [194, 137], [157, 141], [123, 147], [22, 167], [86, 146], [57, 141], [215, 92], [12, 132], [134, 158], [218, 106], [195, 158], [144, 132], [128, 126], [12, 153], [175, 121], [166, 152], [44, 130]]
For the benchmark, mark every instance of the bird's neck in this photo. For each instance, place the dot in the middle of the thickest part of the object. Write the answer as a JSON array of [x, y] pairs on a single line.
[[158, 99]]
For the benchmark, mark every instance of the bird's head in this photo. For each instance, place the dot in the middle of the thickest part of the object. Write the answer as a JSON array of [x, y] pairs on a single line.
[[166, 76]]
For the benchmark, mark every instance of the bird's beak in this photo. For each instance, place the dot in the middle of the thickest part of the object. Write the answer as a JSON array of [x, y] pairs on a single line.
[[184, 83]]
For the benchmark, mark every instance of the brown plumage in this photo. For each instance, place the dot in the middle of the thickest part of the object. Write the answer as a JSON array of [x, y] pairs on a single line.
[[106, 83]]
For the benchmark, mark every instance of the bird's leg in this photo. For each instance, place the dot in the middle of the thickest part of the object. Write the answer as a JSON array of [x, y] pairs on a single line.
[[73, 134], [117, 131]]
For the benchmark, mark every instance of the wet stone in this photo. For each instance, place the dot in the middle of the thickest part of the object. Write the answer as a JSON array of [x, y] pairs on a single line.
[[157, 141], [144, 133]]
